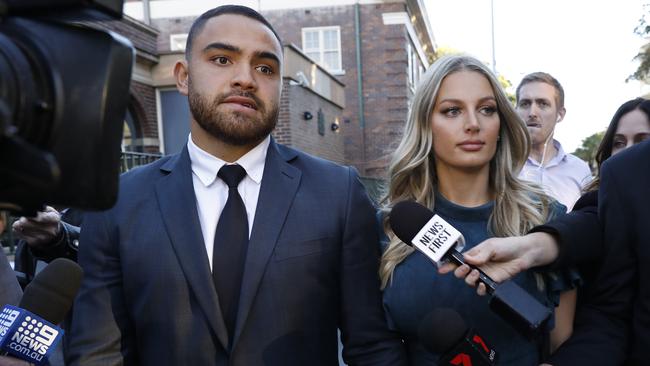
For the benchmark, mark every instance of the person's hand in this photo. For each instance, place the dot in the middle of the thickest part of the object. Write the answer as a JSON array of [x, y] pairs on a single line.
[[503, 258], [10, 361], [41, 230]]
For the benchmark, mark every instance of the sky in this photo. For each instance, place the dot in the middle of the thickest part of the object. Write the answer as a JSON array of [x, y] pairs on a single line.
[[588, 45]]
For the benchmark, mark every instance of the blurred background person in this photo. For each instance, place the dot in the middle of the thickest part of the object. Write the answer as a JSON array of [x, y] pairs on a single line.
[[540, 103], [461, 151], [10, 291], [629, 126]]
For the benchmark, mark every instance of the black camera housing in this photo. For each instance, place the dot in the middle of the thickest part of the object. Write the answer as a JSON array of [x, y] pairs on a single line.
[[64, 91]]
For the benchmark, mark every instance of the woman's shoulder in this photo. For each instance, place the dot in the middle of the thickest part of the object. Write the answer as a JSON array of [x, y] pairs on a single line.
[[555, 208]]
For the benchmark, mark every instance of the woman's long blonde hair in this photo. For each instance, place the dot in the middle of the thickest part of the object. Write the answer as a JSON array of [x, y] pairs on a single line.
[[519, 205]]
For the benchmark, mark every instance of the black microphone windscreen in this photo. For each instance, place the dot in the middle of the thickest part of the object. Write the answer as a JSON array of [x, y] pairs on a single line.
[[51, 292], [441, 329], [407, 218]]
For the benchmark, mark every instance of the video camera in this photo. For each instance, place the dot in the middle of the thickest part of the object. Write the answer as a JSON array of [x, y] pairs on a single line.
[[64, 92]]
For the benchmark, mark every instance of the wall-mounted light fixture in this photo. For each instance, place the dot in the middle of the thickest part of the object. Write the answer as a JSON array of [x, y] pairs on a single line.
[[335, 125], [307, 115]]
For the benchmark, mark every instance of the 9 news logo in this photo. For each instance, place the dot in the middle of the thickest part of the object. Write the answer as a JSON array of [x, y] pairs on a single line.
[[25, 335], [7, 319], [35, 334]]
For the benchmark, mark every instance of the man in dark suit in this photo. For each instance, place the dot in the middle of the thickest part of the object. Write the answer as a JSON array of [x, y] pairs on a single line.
[[612, 324], [163, 285]]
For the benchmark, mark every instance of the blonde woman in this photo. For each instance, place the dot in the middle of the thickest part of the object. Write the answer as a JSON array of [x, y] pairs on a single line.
[[462, 149]]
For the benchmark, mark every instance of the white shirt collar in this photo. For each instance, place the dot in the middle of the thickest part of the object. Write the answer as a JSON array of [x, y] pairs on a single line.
[[206, 166]]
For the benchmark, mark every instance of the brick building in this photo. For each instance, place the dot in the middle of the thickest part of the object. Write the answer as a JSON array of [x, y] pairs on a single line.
[[141, 122], [359, 63]]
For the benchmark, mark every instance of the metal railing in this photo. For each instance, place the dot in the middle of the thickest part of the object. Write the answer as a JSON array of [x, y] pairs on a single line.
[[130, 159]]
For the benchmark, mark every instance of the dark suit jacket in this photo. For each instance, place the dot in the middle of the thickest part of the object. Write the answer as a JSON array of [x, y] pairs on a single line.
[[613, 321], [148, 298]]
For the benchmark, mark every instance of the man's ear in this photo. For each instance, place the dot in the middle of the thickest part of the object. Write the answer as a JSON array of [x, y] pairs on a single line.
[[181, 74], [560, 115]]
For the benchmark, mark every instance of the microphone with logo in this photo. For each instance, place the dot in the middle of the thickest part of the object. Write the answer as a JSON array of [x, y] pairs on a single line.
[[29, 332], [444, 332], [417, 226]]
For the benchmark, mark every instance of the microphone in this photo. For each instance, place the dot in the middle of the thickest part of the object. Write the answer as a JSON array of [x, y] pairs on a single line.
[[29, 331], [434, 237], [443, 331]]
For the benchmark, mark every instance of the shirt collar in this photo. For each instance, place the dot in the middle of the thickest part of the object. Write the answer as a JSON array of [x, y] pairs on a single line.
[[560, 156], [206, 166]]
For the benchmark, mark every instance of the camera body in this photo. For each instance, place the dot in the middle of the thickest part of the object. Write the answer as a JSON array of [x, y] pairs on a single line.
[[64, 91]]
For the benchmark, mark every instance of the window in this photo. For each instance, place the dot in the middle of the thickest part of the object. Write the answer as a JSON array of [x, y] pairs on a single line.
[[414, 68], [177, 42], [173, 112], [323, 45]]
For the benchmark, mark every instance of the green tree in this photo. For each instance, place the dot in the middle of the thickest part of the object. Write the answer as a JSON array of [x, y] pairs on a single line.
[[587, 151], [643, 29], [506, 84]]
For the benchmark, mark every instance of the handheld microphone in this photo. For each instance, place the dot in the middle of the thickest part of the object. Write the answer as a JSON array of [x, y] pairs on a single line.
[[444, 332], [29, 332], [417, 226]]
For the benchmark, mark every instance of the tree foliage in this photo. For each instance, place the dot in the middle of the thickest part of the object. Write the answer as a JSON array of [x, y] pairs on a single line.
[[587, 151], [643, 29], [506, 84]]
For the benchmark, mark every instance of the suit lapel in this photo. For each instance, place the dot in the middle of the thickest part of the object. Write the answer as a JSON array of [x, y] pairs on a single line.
[[177, 201], [280, 182]]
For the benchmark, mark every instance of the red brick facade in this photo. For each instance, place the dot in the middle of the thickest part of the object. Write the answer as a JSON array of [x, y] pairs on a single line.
[[385, 83], [386, 89]]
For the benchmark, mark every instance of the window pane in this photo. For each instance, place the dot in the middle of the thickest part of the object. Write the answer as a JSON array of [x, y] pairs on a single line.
[[331, 60], [314, 56], [331, 39], [311, 40]]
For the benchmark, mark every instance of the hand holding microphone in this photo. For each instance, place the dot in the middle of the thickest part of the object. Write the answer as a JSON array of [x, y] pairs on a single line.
[[417, 226]]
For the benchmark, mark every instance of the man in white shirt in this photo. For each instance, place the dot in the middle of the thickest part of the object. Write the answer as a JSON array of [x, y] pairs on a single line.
[[238, 251], [540, 103]]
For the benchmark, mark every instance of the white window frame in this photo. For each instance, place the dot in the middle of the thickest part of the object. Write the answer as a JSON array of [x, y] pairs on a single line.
[[177, 42], [321, 50]]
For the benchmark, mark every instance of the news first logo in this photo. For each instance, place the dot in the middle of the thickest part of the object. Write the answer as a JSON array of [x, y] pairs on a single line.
[[26, 336], [437, 237]]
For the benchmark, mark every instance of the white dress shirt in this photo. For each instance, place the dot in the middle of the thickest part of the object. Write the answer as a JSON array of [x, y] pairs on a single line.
[[211, 192], [563, 177]]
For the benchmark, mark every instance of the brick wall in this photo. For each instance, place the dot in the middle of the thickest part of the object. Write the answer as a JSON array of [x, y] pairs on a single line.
[[143, 105], [385, 85], [143, 96], [142, 36], [295, 131], [282, 132]]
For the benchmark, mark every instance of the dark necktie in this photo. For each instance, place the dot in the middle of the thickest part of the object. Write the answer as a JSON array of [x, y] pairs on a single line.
[[230, 245]]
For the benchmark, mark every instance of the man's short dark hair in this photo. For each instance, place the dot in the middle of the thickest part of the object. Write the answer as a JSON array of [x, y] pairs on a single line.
[[542, 77], [198, 24]]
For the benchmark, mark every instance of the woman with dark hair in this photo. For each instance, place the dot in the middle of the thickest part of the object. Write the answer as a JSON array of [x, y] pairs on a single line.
[[629, 126]]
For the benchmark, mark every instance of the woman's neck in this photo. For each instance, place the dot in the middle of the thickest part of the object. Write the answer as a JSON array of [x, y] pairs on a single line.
[[465, 188]]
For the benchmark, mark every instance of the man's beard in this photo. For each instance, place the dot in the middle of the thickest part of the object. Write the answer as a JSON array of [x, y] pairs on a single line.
[[232, 128]]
